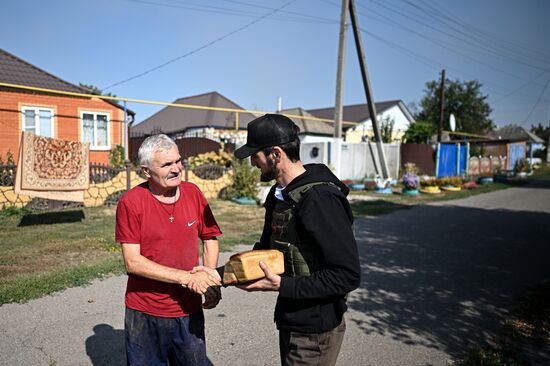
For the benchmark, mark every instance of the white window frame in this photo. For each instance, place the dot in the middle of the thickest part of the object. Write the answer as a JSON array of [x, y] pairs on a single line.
[[93, 145], [37, 119]]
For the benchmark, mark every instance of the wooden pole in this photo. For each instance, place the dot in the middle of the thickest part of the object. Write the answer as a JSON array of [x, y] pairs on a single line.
[[442, 106]]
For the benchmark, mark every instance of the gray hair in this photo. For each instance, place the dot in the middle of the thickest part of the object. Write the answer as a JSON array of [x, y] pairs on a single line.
[[152, 144]]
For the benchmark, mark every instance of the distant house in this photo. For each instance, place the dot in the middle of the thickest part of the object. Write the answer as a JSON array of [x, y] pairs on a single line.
[[310, 130], [515, 133], [393, 110], [221, 126], [77, 118]]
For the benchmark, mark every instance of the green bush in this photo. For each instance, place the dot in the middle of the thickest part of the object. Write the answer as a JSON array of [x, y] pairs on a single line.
[[245, 180], [116, 156]]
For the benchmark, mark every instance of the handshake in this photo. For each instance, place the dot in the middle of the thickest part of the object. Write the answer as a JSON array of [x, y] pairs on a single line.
[[205, 281]]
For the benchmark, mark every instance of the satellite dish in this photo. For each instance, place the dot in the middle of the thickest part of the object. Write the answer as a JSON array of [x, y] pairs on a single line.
[[452, 122]]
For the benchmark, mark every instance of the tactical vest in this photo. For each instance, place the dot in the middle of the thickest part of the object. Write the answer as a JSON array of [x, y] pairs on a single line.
[[300, 258]]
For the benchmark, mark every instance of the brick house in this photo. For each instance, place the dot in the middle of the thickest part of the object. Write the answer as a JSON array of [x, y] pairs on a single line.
[[79, 118]]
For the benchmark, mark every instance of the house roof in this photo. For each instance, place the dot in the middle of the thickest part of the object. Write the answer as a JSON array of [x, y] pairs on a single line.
[[360, 112], [515, 133], [176, 119], [308, 126], [14, 70]]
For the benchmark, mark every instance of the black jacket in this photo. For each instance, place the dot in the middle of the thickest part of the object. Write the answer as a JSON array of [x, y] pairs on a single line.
[[316, 303]]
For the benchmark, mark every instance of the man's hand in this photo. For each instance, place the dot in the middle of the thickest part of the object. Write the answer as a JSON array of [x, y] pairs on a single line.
[[201, 278], [271, 282]]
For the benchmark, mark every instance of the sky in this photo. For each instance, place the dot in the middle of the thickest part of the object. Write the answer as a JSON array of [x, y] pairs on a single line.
[[254, 51]]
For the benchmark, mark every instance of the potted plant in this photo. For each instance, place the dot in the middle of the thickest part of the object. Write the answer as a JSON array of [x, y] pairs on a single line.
[[522, 168], [469, 184], [382, 185], [429, 186], [485, 178], [355, 185], [410, 180], [500, 176], [452, 184]]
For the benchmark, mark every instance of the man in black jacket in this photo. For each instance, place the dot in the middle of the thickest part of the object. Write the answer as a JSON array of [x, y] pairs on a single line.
[[309, 219]]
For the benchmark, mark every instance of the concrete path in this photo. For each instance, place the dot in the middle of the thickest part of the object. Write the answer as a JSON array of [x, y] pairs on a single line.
[[437, 279]]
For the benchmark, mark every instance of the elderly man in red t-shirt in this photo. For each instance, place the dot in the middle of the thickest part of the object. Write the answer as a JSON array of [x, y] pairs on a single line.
[[158, 224]]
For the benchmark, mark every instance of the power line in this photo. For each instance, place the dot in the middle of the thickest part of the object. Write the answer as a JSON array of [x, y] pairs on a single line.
[[538, 100], [201, 47]]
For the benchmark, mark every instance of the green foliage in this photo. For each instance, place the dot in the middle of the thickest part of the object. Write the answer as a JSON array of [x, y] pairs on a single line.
[[541, 131], [477, 150], [522, 166], [463, 99], [245, 180], [386, 129], [490, 356], [95, 90], [419, 133], [116, 156], [221, 158], [14, 211], [430, 182], [9, 159]]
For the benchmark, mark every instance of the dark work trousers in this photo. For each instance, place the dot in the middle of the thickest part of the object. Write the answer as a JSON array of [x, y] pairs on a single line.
[[320, 349], [155, 341]]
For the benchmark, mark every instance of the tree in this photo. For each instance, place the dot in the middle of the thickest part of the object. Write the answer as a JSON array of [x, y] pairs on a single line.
[[386, 129], [95, 90], [463, 99], [419, 133], [541, 131]]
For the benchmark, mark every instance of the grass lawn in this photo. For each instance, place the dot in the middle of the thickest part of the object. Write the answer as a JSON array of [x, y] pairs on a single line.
[[41, 253]]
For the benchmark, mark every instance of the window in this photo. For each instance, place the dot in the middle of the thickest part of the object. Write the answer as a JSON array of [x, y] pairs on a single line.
[[95, 130], [38, 121]]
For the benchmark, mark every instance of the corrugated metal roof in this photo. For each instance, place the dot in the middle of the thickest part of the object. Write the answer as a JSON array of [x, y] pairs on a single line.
[[309, 126], [354, 113], [176, 119], [515, 133]]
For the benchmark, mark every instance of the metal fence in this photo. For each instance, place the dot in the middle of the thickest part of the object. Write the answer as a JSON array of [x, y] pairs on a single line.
[[108, 184]]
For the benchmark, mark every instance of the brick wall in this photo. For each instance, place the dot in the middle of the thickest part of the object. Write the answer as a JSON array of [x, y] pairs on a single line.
[[67, 123]]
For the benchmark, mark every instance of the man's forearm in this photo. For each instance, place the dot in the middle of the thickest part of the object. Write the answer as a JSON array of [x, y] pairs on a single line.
[[210, 252]]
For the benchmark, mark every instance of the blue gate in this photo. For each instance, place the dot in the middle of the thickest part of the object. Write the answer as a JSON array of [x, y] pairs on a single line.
[[452, 159], [516, 153]]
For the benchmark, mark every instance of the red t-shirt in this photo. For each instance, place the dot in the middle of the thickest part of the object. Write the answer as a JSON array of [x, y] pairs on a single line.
[[141, 219]]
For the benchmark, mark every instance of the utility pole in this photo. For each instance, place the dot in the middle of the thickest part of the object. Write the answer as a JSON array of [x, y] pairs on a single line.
[[548, 144], [339, 110], [368, 90], [442, 106]]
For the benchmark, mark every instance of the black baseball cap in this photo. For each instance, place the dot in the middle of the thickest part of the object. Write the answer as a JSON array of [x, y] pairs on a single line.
[[265, 131]]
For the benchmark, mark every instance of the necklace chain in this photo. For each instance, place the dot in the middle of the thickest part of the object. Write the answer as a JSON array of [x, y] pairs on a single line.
[[170, 214]]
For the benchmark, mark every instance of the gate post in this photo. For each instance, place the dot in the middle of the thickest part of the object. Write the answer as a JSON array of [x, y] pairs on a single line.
[[128, 167]]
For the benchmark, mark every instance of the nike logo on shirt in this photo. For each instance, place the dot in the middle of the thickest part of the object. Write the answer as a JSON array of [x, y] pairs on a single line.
[[190, 223]]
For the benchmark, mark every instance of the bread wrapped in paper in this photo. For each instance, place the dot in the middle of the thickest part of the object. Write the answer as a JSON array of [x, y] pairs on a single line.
[[245, 266]]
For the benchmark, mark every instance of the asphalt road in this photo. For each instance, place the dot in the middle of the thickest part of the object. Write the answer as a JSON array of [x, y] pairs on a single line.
[[437, 279]]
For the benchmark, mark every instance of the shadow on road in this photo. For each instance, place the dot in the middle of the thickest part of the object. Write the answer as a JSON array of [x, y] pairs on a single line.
[[106, 346], [445, 277]]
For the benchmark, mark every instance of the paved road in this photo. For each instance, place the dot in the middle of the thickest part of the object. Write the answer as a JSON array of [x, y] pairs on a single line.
[[437, 279]]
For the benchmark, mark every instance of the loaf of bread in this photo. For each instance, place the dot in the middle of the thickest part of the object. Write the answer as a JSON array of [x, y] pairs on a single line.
[[245, 266]]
